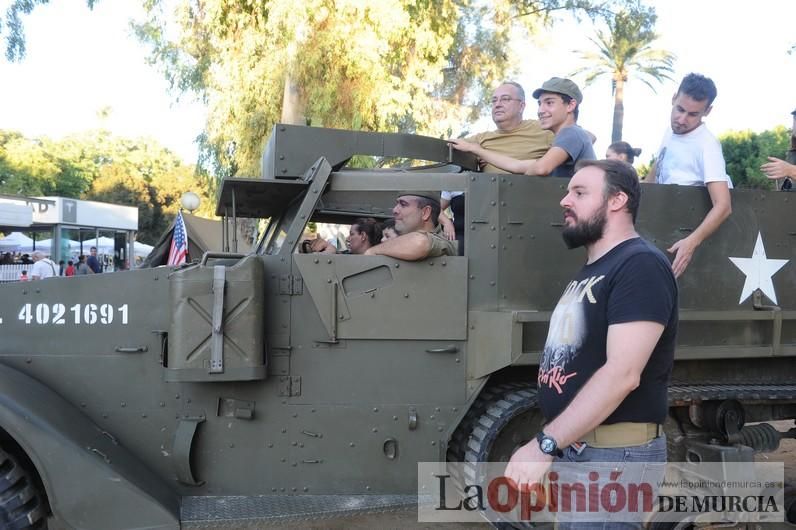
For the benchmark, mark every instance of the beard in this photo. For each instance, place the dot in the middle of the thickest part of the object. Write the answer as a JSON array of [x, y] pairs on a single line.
[[584, 233]]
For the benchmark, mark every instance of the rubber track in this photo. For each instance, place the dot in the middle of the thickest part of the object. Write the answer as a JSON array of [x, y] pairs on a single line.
[[458, 444], [497, 413], [20, 505]]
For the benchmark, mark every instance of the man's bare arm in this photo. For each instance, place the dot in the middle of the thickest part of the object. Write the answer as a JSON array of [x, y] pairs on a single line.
[[778, 169], [504, 162], [410, 247], [554, 157], [722, 208]]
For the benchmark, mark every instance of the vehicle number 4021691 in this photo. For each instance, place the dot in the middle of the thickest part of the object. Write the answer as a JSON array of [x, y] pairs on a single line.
[[80, 314]]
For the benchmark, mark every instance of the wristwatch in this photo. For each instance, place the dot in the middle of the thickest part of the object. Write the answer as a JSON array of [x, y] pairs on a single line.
[[548, 445]]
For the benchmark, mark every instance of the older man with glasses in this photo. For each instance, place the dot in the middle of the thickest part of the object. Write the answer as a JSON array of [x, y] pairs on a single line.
[[514, 137]]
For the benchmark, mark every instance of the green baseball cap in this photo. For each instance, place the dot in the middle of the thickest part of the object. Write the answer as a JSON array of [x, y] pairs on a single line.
[[559, 85], [433, 195]]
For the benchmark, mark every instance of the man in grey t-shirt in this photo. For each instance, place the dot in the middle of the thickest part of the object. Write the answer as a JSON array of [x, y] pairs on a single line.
[[559, 101]]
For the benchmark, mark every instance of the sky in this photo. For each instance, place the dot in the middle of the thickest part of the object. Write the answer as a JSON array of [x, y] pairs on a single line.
[[79, 61]]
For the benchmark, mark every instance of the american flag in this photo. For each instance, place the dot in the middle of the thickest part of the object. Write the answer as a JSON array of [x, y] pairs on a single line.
[[179, 242]]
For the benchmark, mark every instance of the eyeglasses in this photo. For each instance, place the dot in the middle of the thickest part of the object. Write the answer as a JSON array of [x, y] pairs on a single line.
[[503, 99]]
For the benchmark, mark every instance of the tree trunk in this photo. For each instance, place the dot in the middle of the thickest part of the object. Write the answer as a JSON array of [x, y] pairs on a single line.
[[619, 110], [293, 107]]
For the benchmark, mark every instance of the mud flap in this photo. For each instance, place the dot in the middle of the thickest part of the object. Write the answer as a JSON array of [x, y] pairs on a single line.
[[67, 448]]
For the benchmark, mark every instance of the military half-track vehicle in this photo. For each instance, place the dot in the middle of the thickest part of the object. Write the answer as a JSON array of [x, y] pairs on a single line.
[[279, 385]]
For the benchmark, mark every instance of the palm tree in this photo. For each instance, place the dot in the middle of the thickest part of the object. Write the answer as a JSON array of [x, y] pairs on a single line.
[[624, 50]]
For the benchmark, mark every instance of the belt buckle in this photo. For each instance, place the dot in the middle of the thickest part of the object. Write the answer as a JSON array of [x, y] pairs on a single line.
[[578, 447]]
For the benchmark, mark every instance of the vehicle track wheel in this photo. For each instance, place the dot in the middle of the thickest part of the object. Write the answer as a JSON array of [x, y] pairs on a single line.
[[461, 437], [21, 504], [509, 418]]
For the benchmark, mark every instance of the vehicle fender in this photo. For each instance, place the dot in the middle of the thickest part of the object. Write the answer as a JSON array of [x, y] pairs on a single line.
[[91, 481]]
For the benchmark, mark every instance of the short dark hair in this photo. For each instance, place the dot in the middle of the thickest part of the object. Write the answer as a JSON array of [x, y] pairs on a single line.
[[388, 224], [624, 148], [370, 227], [619, 177], [567, 99], [698, 87], [422, 202], [93, 248]]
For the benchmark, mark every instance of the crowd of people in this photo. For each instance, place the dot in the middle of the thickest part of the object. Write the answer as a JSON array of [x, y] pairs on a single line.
[[553, 145], [41, 266]]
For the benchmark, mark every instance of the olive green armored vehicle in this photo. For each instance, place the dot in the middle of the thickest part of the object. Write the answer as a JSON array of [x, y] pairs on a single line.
[[279, 385]]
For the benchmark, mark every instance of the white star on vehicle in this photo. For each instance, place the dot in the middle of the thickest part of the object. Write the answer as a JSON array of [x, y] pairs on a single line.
[[758, 270]]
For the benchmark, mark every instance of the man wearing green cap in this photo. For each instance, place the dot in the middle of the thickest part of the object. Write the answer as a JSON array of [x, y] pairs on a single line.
[[559, 101], [416, 216]]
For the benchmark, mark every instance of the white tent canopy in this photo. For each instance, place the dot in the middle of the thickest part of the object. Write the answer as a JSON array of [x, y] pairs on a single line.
[[16, 241], [142, 249]]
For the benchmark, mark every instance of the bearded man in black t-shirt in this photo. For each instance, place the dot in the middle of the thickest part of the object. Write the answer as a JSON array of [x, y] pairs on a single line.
[[608, 357]]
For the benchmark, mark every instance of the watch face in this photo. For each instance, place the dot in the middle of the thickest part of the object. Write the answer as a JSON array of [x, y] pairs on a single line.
[[547, 445]]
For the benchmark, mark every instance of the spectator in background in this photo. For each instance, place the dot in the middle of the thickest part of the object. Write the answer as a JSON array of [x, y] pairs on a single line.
[[43, 267], [388, 230], [70, 268], [365, 233], [92, 261], [622, 151], [82, 267], [61, 267]]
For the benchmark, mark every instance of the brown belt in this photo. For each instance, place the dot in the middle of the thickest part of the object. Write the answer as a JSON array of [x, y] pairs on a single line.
[[623, 434]]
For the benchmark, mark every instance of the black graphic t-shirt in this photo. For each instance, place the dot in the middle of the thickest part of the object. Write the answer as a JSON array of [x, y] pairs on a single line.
[[632, 282]]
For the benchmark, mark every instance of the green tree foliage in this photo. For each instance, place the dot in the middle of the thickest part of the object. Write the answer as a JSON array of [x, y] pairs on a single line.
[[102, 167], [392, 65], [40, 167], [745, 151], [625, 50], [13, 29]]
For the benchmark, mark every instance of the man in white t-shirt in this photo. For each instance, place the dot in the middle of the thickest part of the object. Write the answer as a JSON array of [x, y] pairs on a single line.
[[42, 266], [691, 156]]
